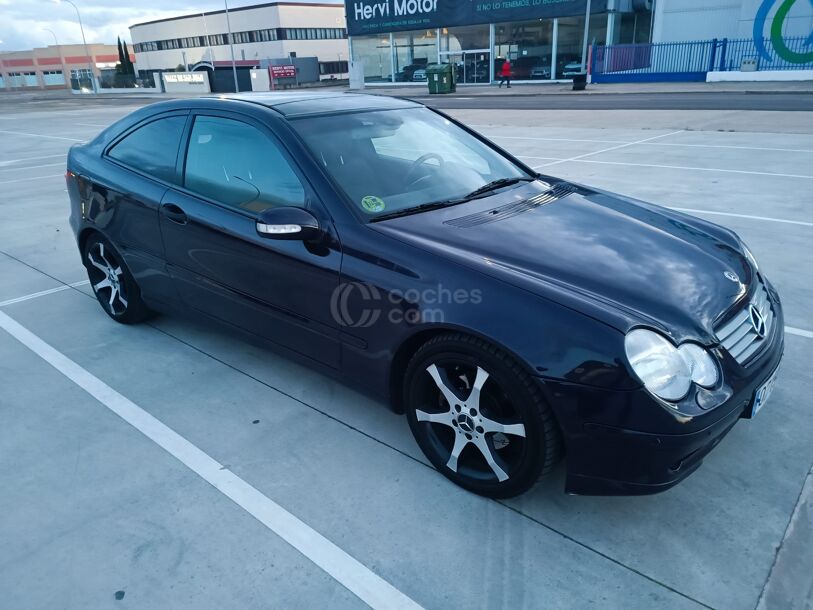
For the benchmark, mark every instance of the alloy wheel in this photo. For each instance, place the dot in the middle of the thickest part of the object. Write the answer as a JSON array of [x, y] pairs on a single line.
[[107, 279], [477, 431]]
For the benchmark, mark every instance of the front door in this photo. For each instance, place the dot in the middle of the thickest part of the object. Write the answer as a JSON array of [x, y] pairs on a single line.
[[278, 290], [471, 67]]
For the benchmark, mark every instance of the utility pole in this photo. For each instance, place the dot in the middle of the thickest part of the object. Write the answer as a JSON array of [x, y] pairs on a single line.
[[231, 45], [84, 42], [586, 35]]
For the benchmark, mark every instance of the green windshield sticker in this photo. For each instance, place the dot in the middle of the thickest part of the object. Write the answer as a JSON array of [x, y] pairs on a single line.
[[371, 203]]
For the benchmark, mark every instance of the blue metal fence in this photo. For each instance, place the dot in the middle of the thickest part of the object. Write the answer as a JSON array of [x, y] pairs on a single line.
[[686, 61]]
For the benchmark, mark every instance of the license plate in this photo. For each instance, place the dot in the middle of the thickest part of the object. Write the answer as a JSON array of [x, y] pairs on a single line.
[[763, 394]]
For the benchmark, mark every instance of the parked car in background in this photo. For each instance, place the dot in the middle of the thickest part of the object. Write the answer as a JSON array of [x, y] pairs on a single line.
[[571, 69], [419, 75], [539, 72]]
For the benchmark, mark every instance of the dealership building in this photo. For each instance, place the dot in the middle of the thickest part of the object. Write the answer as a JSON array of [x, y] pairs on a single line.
[[262, 34], [391, 41]]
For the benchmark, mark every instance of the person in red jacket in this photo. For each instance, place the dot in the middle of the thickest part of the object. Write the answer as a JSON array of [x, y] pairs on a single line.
[[505, 73]]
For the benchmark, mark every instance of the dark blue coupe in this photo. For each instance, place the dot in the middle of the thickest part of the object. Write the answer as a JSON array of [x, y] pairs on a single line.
[[515, 318]]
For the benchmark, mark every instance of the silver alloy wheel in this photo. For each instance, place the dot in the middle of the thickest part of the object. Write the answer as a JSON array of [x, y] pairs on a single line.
[[468, 422], [112, 279]]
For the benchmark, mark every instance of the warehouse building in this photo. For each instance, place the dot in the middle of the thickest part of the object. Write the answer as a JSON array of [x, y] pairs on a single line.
[[261, 35], [56, 66]]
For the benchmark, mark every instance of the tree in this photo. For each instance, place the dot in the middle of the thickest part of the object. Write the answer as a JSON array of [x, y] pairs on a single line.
[[128, 63], [121, 68]]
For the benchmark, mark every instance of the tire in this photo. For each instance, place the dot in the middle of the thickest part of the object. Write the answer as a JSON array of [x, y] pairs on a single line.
[[112, 283], [508, 418]]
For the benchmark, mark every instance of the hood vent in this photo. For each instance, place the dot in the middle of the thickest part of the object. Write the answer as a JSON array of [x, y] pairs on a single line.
[[557, 191]]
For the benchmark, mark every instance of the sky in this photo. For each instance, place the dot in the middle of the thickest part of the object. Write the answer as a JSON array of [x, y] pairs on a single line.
[[24, 23]]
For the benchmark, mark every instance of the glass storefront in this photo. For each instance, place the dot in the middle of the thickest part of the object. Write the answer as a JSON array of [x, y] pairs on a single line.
[[376, 53], [540, 49], [468, 48], [528, 45]]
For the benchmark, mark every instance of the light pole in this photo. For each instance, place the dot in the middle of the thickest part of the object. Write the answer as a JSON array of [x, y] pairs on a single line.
[[59, 50], [231, 45], [84, 42]]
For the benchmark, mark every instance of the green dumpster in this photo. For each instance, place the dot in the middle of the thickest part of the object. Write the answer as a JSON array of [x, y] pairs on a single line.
[[440, 78]]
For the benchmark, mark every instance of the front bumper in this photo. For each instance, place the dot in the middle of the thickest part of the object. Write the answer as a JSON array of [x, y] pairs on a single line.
[[625, 443]]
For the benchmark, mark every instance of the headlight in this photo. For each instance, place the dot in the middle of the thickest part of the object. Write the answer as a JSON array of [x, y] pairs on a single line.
[[749, 255], [665, 370], [703, 369]]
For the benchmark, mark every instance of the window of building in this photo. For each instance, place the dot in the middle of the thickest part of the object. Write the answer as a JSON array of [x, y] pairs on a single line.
[[375, 53], [237, 165], [413, 52], [528, 45], [333, 67], [153, 148], [53, 78]]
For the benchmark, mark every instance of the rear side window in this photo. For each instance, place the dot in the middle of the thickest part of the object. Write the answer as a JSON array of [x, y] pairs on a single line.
[[153, 148], [237, 165]]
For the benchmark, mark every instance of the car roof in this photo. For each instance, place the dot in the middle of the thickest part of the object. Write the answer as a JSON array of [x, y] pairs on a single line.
[[302, 103]]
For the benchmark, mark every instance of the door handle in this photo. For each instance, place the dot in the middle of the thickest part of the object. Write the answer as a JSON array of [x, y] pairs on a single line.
[[174, 213]]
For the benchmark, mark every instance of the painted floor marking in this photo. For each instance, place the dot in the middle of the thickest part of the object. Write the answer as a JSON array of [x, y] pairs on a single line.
[[604, 150], [748, 216], [13, 161], [680, 167], [31, 178], [39, 135], [43, 293], [349, 572]]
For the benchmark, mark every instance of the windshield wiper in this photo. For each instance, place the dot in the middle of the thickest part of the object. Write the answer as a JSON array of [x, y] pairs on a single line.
[[486, 188], [433, 205], [496, 184]]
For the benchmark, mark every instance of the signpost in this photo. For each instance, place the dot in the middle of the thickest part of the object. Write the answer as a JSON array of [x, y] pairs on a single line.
[[286, 71]]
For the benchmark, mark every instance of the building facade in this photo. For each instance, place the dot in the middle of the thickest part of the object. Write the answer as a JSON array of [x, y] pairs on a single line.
[[396, 39], [260, 33], [54, 67], [393, 41]]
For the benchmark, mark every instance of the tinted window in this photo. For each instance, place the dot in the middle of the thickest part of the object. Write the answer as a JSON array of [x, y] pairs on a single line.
[[152, 148], [238, 165]]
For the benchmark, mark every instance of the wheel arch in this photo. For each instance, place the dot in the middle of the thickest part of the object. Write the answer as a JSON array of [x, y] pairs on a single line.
[[413, 342]]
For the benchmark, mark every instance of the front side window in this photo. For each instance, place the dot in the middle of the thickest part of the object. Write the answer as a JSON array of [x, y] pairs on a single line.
[[237, 165], [153, 148], [393, 160]]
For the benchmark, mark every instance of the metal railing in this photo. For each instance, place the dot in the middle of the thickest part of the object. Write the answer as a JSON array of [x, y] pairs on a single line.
[[691, 60]]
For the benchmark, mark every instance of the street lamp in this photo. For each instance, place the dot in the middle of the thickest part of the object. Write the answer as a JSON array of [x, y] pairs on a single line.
[[84, 42], [231, 45]]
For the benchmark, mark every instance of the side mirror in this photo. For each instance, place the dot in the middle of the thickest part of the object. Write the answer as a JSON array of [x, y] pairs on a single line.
[[288, 223]]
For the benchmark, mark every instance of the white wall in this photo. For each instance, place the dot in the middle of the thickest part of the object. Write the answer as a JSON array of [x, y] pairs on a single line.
[[243, 20], [678, 20]]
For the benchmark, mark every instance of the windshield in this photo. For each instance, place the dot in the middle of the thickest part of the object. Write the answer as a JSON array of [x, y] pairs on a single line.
[[395, 160]]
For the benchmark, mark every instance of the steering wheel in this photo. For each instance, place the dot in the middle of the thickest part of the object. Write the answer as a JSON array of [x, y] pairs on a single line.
[[417, 163]]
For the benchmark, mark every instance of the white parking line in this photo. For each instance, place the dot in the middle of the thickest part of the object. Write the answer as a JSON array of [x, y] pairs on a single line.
[[748, 216], [681, 167], [798, 331], [43, 293], [13, 161], [349, 572], [676, 144], [31, 178], [39, 135], [17, 169], [604, 150]]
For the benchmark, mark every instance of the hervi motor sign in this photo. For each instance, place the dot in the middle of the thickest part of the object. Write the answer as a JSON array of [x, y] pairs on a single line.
[[377, 16]]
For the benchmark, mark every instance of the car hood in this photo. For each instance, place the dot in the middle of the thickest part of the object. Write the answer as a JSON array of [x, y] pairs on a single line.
[[616, 259]]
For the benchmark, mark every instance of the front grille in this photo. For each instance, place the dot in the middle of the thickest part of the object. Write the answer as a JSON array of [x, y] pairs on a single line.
[[739, 336]]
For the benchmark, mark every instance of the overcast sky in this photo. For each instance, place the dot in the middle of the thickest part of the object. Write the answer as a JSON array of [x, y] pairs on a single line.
[[22, 21]]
